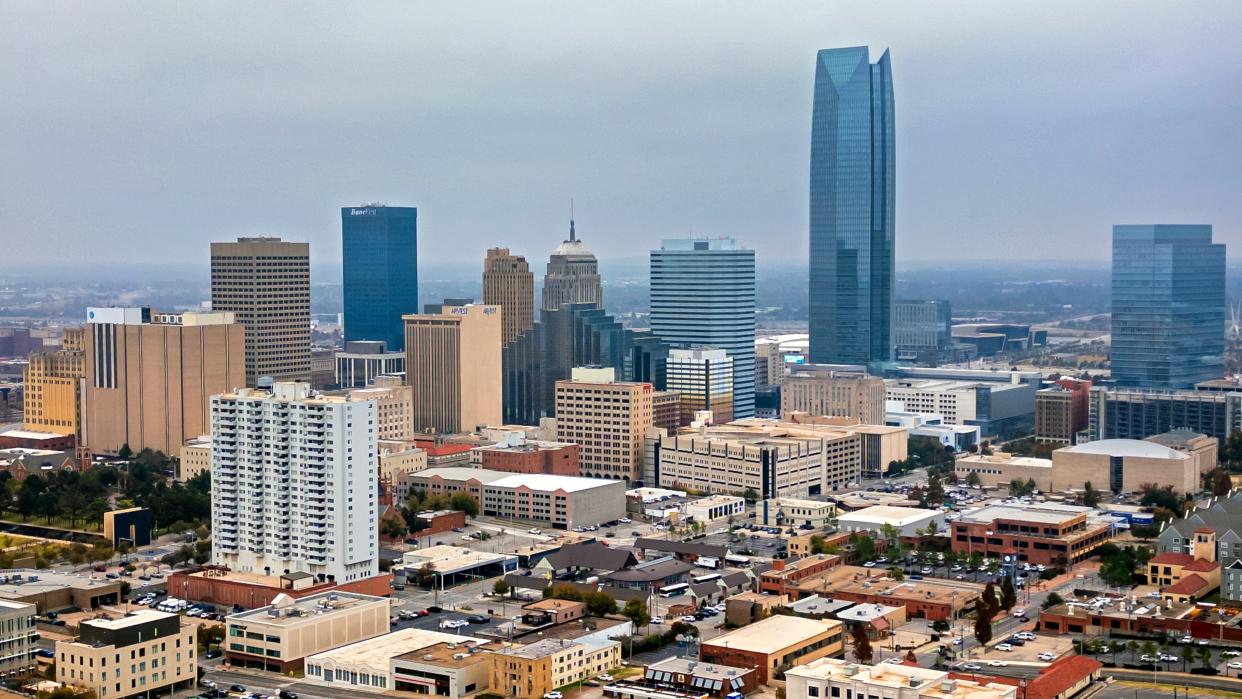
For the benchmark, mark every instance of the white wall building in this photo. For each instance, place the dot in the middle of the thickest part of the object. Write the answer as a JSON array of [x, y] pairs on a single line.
[[293, 483], [907, 520]]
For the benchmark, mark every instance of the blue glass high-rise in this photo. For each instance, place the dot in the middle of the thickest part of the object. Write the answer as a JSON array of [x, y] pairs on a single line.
[[1168, 314], [380, 259], [852, 206], [703, 295]]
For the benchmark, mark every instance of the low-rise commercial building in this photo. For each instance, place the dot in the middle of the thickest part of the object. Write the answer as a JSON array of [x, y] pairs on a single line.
[[748, 607], [878, 620], [922, 599], [784, 576], [563, 502], [677, 678], [399, 661], [1053, 535], [17, 639], [795, 512], [135, 655], [908, 521], [50, 591], [715, 508], [518, 454], [831, 677], [280, 636], [1000, 468], [453, 564], [775, 642], [530, 671]]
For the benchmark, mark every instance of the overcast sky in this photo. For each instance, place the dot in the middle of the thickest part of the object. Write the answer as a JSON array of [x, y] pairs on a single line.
[[140, 132]]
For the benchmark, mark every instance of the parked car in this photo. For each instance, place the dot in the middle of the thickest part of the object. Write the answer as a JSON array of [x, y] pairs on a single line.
[[476, 619], [537, 530], [1234, 666], [1004, 646], [1046, 657], [657, 620], [554, 695], [604, 678]]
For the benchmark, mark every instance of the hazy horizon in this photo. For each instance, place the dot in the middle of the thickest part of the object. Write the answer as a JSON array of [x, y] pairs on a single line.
[[140, 131]]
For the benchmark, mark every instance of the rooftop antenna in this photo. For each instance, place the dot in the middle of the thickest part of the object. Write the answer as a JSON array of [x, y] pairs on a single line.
[[572, 237]]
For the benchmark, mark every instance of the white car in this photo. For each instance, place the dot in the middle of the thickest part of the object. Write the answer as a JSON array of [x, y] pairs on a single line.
[[1020, 611], [971, 667], [1187, 639], [657, 620], [689, 619], [467, 537], [997, 663], [1004, 646], [1230, 653], [926, 570], [1046, 657], [869, 564], [554, 695], [1170, 658], [1234, 666], [893, 661], [1025, 635], [1148, 658], [625, 520], [604, 678], [537, 530]]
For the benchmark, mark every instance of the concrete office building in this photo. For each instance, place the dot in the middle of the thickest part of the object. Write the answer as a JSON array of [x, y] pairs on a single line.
[[998, 409], [363, 360], [1049, 534], [453, 365], [293, 483], [135, 655], [852, 206], [52, 387], [1061, 411], [607, 419], [509, 283], [413, 661], [833, 392], [394, 406], [666, 410], [1168, 311], [908, 521], [50, 591], [776, 642], [17, 639], [279, 636], [795, 512], [563, 502], [703, 295], [704, 380], [149, 376], [771, 457], [572, 275], [1122, 465], [265, 283], [379, 246], [1131, 413], [923, 331]]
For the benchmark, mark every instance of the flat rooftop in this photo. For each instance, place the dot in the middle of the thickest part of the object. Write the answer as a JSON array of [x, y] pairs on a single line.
[[774, 633], [538, 649], [865, 612], [503, 479], [287, 611], [144, 616], [454, 654], [932, 684], [376, 652], [451, 559], [1041, 514], [18, 583], [887, 514], [689, 666]]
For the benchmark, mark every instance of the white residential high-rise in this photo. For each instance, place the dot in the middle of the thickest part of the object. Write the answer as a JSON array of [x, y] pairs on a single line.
[[293, 483]]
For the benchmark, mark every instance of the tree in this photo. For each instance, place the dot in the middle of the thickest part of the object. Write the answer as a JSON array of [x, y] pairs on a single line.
[[862, 644], [889, 533], [1154, 495], [863, 545], [500, 587], [1090, 496], [426, 574], [209, 636], [1008, 597], [935, 490], [465, 502], [989, 594], [66, 692], [1218, 482], [392, 527], [567, 592], [817, 545], [972, 478], [1052, 600], [983, 619], [750, 495], [125, 453], [636, 612], [600, 604]]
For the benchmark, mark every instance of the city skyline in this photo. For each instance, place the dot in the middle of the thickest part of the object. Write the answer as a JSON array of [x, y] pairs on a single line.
[[617, 125]]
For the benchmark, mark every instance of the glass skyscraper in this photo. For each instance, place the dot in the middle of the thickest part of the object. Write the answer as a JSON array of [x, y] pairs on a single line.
[[380, 258], [852, 205], [1168, 315], [703, 295]]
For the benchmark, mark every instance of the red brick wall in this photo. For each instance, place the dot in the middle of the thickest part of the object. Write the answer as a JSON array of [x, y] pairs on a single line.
[[226, 593], [562, 461]]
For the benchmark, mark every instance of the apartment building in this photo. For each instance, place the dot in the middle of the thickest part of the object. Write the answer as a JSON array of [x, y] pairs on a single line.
[[17, 639], [530, 671], [52, 387], [607, 419], [265, 283], [452, 360], [280, 636], [293, 483], [135, 655], [149, 376]]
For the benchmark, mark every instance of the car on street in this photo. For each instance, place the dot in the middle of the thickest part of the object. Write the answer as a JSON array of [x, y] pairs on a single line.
[[604, 678], [997, 663], [554, 695], [537, 530], [971, 667], [1186, 639], [625, 520], [286, 694], [1024, 618], [1019, 612], [657, 620], [893, 661], [476, 619], [869, 564], [689, 619], [1230, 653], [1025, 635]]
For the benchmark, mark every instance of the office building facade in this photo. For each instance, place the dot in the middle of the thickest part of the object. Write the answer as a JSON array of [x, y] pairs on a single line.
[[827, 391], [704, 379], [607, 419], [52, 386], [703, 295], [452, 361], [379, 256], [1131, 413], [293, 483], [852, 207], [17, 639], [265, 283], [572, 275], [509, 283], [132, 656], [365, 360], [149, 376], [1168, 313], [1061, 411], [923, 330]]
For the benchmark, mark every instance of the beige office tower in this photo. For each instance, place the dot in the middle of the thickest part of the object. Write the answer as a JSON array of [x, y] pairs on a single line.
[[509, 283], [150, 377], [607, 419], [452, 363], [52, 383], [266, 283], [572, 276], [823, 390]]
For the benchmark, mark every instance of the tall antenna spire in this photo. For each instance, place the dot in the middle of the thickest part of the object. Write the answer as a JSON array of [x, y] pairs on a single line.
[[572, 238]]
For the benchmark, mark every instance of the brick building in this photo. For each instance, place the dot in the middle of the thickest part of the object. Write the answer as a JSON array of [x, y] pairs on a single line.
[[1054, 535]]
